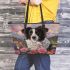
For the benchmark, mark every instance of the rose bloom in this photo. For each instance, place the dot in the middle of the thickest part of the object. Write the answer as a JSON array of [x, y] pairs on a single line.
[[42, 50], [23, 49]]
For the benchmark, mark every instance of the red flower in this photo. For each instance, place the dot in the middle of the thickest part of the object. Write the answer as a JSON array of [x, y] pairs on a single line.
[[23, 49], [42, 50], [33, 52]]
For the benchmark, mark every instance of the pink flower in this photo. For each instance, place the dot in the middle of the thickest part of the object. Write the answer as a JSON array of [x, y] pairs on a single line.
[[23, 49], [33, 52], [42, 50]]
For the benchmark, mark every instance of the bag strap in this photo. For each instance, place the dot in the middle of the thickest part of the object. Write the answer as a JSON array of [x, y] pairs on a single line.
[[42, 19], [26, 18]]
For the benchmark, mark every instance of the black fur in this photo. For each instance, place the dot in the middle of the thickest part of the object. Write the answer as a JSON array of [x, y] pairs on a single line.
[[39, 31]]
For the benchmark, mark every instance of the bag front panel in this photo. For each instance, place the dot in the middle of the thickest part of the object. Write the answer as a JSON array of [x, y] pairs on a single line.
[[43, 43]]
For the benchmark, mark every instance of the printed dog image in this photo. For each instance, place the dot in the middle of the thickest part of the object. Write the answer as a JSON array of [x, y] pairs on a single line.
[[36, 37]]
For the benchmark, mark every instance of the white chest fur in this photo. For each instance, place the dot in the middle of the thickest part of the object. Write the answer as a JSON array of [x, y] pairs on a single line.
[[33, 45]]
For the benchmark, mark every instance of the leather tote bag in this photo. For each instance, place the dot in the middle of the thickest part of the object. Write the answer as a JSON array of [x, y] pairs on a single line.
[[39, 38]]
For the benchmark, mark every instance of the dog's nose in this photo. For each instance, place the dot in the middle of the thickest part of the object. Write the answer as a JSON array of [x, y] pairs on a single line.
[[34, 37]]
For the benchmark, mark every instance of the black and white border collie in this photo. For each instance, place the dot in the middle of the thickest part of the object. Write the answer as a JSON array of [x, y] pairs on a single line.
[[36, 36]]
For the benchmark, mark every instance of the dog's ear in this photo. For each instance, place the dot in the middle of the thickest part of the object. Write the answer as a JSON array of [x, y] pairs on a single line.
[[28, 28], [27, 32]]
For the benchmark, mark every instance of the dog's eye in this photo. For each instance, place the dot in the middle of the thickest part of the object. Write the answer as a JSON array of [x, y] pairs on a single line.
[[30, 31]]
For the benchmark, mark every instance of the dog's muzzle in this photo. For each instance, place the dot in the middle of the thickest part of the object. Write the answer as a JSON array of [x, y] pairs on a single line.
[[34, 38]]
